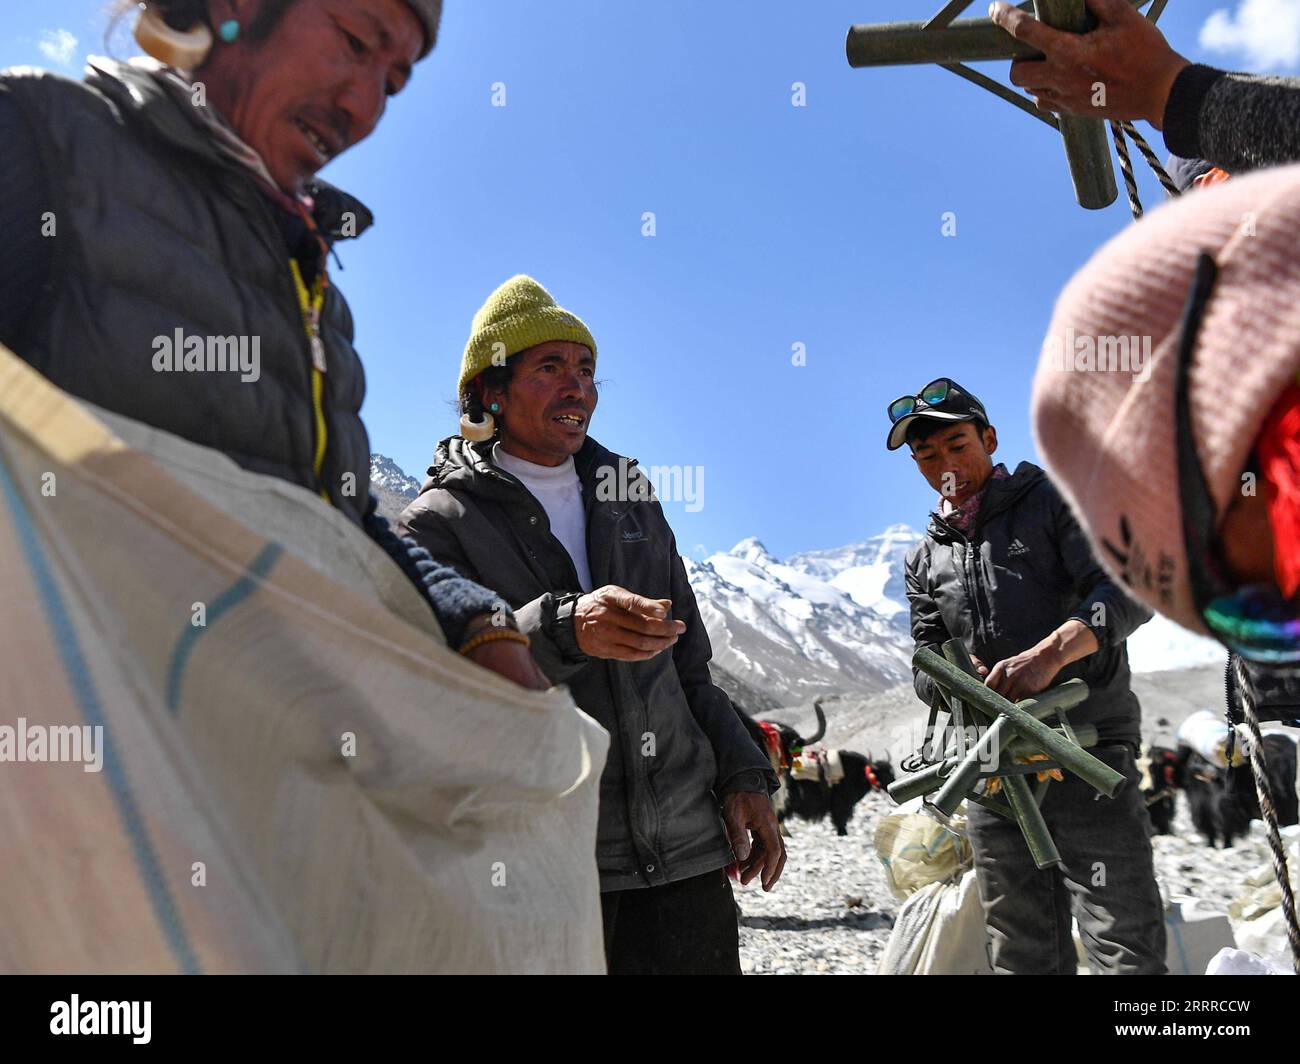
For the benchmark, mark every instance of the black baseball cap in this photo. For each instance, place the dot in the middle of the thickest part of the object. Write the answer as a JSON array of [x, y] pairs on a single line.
[[940, 400]]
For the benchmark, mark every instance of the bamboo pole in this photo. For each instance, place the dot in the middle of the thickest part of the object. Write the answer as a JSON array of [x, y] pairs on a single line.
[[1026, 811], [1032, 825], [1086, 148], [987, 751], [971, 691], [931, 778], [956, 43], [968, 40]]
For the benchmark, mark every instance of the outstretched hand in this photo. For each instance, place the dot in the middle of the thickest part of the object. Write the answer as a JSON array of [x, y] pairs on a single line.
[[613, 622], [1123, 69]]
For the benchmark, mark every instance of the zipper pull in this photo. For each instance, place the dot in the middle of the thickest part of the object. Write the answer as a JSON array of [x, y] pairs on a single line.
[[313, 333], [317, 350]]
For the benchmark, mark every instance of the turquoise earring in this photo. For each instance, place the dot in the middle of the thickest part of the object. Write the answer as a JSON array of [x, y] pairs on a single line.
[[495, 408], [229, 31]]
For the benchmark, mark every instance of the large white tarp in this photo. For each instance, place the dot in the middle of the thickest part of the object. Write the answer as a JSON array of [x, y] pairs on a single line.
[[294, 772]]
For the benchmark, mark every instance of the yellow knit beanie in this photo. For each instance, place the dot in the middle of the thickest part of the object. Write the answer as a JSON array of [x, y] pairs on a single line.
[[518, 315]]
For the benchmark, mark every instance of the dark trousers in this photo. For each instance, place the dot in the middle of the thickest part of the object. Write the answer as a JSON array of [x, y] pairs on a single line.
[[1107, 876], [684, 928]]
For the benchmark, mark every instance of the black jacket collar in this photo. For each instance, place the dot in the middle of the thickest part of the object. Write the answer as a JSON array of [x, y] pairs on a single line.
[[999, 496], [461, 465], [135, 91]]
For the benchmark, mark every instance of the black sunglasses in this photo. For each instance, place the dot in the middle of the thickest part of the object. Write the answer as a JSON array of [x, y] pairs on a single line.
[[1254, 621]]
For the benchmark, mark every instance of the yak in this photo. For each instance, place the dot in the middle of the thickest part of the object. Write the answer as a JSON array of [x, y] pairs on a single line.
[[816, 782]]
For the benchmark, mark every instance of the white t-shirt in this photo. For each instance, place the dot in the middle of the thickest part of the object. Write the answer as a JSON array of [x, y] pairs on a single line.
[[559, 491]]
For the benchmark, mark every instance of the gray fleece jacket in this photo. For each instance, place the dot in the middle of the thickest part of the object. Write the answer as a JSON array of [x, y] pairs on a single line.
[[677, 745]]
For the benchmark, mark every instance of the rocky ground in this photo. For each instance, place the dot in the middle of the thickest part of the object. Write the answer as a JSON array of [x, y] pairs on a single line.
[[832, 912]]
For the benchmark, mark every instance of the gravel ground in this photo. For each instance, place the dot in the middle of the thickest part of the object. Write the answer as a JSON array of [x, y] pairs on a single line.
[[1187, 867], [832, 913]]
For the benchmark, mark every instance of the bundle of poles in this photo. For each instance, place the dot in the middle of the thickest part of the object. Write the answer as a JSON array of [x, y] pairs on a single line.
[[951, 43], [1006, 736]]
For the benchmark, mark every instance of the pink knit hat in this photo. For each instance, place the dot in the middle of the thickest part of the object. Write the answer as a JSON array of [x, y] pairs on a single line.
[[1103, 403]]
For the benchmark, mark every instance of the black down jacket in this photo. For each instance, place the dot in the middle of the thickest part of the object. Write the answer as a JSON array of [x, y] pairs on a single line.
[[1026, 569], [158, 233]]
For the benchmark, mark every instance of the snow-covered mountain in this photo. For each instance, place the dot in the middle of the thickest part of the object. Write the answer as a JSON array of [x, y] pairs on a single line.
[[870, 572], [822, 622], [836, 621], [790, 632], [391, 485]]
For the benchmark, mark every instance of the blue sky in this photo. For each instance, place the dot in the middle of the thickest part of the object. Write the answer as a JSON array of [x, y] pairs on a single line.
[[775, 225]]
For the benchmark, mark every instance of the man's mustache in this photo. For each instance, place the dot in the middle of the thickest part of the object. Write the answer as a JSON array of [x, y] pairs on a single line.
[[332, 119]]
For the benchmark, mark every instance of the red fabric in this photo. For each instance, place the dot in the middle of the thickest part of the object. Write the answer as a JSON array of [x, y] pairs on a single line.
[[773, 736], [1171, 760], [1279, 455], [1211, 177], [962, 517]]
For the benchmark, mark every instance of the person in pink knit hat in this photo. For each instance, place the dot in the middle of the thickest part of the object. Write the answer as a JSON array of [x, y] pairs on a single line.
[[1183, 460]]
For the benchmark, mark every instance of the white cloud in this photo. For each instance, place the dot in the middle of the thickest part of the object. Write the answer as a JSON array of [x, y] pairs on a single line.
[[1265, 33], [58, 46]]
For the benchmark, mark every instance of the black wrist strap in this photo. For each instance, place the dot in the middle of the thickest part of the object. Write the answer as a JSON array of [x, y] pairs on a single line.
[[565, 635]]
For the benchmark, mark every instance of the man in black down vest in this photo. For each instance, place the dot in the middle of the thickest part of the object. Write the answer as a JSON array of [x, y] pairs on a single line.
[[168, 242]]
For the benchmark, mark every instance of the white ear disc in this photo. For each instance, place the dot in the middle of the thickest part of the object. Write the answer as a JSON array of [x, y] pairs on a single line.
[[184, 51], [477, 431]]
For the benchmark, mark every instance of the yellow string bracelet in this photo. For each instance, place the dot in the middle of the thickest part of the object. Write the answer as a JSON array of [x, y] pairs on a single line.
[[489, 635]]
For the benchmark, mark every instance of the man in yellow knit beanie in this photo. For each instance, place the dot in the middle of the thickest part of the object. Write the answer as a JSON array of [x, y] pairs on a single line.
[[571, 536], [518, 315]]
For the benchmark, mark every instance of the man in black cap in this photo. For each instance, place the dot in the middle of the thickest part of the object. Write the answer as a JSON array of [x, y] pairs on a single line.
[[1005, 568]]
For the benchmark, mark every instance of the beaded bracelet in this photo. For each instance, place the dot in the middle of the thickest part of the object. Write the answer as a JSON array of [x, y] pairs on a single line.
[[491, 634]]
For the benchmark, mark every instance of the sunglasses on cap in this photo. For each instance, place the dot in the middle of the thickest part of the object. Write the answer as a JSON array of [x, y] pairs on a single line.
[[936, 393], [1255, 621]]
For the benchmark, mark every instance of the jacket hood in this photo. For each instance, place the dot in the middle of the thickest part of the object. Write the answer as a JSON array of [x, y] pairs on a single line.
[[998, 496], [457, 463], [134, 88], [466, 466]]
